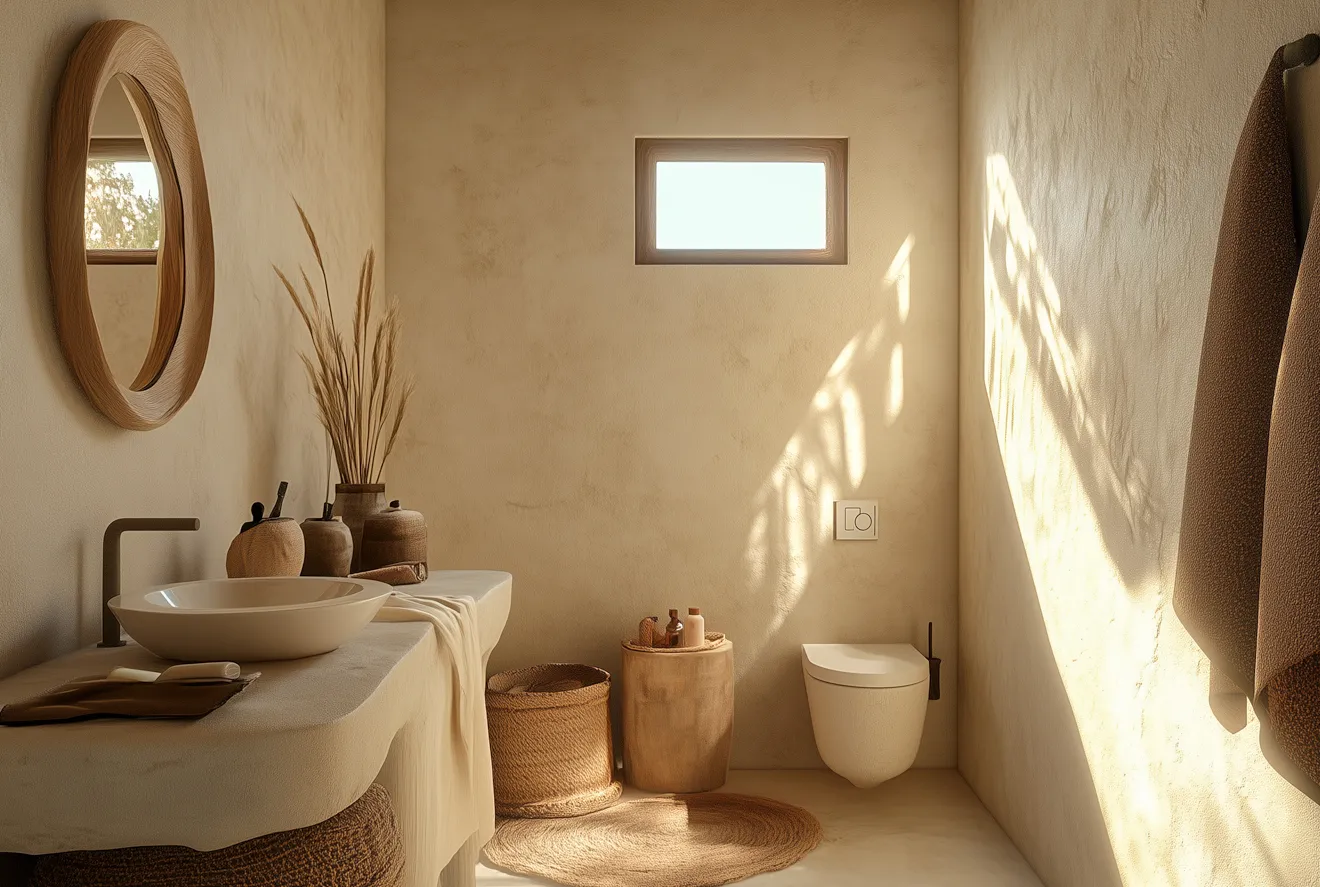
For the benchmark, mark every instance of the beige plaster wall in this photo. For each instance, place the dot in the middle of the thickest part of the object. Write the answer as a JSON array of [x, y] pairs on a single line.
[[1096, 141], [114, 116], [626, 439], [289, 99], [124, 303]]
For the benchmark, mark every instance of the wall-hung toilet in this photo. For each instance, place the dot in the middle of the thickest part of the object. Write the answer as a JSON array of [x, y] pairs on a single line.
[[868, 707]]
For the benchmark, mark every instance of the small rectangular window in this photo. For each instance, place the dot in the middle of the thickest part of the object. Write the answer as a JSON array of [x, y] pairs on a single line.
[[742, 201]]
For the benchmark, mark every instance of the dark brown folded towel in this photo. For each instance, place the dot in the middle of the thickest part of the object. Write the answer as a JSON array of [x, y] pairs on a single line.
[[97, 697], [1288, 640], [1217, 587], [1294, 706], [1249, 552]]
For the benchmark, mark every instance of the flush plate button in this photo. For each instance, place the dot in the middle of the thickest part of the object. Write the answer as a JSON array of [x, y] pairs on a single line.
[[855, 519]]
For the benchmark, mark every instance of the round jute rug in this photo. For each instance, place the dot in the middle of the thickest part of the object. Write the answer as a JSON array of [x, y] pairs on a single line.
[[668, 841]]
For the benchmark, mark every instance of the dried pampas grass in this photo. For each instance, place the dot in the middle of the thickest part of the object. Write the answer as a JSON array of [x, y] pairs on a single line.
[[358, 394]]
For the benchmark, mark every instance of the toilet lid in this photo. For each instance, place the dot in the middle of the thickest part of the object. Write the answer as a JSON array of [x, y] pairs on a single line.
[[865, 665]]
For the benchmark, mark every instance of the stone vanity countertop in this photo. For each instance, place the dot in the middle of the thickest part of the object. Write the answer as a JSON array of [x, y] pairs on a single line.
[[316, 731], [293, 695], [298, 745]]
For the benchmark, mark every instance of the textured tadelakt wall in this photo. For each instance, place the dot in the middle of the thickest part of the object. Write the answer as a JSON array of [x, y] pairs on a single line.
[[626, 439], [289, 100], [1096, 141]]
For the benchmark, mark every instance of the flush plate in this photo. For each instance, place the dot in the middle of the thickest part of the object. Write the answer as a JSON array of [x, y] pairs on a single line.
[[856, 519]]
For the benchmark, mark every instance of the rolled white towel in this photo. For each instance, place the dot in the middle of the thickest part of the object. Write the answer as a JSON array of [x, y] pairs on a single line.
[[133, 675], [189, 671]]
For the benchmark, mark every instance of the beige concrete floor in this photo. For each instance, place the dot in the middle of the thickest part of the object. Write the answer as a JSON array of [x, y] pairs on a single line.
[[923, 829]]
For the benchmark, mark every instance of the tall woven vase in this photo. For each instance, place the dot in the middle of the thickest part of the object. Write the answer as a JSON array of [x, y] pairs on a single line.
[[355, 503]]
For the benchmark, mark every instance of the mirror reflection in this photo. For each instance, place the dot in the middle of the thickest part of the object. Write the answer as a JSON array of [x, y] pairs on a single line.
[[122, 224]]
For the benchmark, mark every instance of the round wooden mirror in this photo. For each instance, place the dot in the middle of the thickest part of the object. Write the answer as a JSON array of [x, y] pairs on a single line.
[[128, 227]]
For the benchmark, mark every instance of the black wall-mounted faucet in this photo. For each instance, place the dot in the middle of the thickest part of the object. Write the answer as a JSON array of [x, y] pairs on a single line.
[[110, 635]]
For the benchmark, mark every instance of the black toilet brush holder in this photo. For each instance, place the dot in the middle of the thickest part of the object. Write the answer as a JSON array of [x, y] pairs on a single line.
[[934, 662]]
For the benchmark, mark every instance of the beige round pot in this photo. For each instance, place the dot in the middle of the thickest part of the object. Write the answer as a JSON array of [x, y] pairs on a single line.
[[273, 547]]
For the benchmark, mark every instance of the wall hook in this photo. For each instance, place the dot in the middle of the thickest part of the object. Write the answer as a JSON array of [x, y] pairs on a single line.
[[1301, 53]]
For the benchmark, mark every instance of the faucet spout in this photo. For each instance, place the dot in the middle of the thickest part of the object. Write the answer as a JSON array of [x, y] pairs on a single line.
[[110, 633]]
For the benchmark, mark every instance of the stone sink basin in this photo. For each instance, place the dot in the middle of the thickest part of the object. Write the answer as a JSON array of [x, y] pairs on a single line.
[[249, 620]]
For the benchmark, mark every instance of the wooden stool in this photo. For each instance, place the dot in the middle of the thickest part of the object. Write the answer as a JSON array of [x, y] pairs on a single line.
[[677, 717]]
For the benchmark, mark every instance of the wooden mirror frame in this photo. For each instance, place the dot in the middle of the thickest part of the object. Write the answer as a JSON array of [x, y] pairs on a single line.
[[186, 259]]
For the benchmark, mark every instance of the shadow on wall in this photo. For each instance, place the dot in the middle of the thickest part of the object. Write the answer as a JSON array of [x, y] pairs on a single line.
[[822, 405], [792, 516], [1025, 322], [1101, 739], [36, 280], [825, 459], [15, 869]]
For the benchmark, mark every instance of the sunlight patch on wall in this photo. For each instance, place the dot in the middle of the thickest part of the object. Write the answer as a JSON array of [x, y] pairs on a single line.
[[1136, 683], [1099, 436], [899, 276], [894, 391], [826, 457]]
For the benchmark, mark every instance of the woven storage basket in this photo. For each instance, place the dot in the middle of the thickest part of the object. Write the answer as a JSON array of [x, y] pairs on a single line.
[[357, 847], [550, 741]]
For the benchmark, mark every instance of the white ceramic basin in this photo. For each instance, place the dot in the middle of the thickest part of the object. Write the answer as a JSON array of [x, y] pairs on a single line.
[[249, 620]]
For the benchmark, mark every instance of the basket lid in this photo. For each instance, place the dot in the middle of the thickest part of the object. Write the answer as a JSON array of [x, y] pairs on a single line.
[[395, 517]]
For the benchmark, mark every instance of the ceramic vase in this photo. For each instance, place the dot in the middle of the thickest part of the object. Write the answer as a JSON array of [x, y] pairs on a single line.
[[354, 503], [273, 547], [329, 547]]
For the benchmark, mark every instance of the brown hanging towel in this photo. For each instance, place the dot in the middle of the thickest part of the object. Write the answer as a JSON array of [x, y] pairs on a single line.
[[1217, 585], [1288, 638]]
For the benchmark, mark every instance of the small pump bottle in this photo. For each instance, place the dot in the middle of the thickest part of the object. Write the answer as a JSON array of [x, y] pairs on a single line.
[[694, 628]]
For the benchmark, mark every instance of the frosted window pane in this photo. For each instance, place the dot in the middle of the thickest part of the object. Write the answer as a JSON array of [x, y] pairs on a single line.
[[739, 205]]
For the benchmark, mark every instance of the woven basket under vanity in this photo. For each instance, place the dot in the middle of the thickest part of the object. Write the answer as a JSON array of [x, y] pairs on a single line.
[[551, 748], [360, 846]]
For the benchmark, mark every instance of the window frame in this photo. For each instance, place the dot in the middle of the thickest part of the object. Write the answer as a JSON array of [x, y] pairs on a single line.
[[103, 148], [832, 152]]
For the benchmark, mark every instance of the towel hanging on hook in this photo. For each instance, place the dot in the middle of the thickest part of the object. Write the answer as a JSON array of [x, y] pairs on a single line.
[[1240, 588]]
